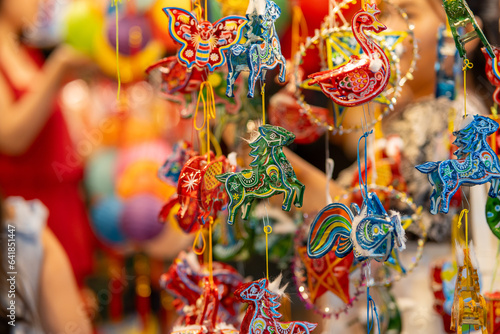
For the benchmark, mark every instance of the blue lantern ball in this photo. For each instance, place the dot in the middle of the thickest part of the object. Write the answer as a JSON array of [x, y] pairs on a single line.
[[99, 173], [106, 220]]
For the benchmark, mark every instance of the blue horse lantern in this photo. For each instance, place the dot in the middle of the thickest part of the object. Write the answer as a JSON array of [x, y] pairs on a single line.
[[476, 163], [261, 51], [271, 174], [371, 234]]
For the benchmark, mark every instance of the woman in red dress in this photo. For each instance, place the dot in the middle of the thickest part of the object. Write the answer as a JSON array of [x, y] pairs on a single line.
[[37, 156]]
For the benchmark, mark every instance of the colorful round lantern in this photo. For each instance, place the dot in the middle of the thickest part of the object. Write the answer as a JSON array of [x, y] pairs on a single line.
[[141, 177], [155, 151], [139, 219], [136, 130], [284, 111], [132, 67], [99, 173], [106, 220], [134, 33], [493, 215], [83, 23]]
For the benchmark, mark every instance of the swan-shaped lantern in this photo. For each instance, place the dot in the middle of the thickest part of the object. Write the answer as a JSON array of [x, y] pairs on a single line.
[[364, 77]]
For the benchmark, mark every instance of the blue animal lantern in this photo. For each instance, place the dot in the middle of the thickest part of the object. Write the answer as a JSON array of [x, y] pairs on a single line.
[[262, 49], [371, 233], [476, 163], [271, 174], [170, 171]]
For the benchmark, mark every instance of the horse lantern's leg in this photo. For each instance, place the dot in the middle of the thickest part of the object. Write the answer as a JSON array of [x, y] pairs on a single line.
[[235, 200], [299, 192], [231, 74], [282, 62], [435, 202], [254, 67], [245, 210], [494, 188], [289, 194]]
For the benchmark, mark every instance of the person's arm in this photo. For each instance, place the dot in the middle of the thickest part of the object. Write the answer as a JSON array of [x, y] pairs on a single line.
[[61, 307], [21, 121]]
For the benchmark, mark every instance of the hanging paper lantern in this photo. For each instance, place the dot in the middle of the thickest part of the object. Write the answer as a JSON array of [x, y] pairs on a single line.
[[362, 79], [139, 219], [99, 173], [134, 33], [184, 281], [270, 175], [83, 23], [284, 111], [492, 71], [132, 66], [469, 306], [155, 151], [140, 177], [261, 292], [106, 220], [493, 215], [476, 163], [261, 35], [493, 302], [203, 43]]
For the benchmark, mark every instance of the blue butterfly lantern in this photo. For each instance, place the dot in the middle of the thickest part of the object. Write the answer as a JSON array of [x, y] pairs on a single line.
[[476, 163], [371, 233], [262, 49]]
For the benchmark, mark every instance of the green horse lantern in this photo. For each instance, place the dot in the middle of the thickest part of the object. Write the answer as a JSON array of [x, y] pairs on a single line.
[[271, 174]]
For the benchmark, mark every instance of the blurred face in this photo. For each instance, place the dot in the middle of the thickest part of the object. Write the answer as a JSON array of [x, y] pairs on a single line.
[[19, 13], [426, 16]]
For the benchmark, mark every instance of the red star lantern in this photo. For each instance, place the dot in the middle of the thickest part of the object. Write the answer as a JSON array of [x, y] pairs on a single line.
[[328, 273]]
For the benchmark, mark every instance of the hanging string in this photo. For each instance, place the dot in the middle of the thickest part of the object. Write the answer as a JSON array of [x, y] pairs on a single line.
[[363, 187], [198, 8], [208, 110], [118, 75], [371, 312], [462, 214], [263, 93], [210, 256], [267, 230], [197, 250], [467, 65], [329, 166]]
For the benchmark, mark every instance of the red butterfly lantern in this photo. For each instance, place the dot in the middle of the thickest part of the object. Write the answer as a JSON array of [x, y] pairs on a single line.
[[203, 43]]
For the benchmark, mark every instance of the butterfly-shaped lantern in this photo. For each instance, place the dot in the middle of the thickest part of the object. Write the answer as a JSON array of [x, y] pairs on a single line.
[[203, 43]]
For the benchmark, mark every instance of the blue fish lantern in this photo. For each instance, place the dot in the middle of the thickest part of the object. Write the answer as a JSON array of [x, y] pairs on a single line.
[[371, 233], [262, 49], [476, 163]]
